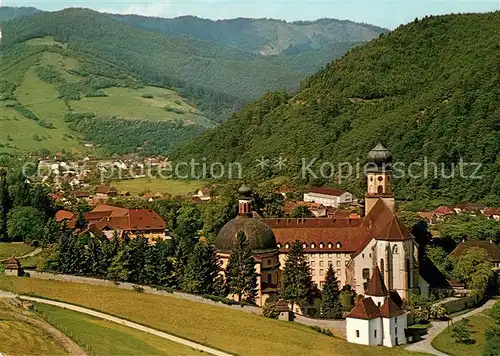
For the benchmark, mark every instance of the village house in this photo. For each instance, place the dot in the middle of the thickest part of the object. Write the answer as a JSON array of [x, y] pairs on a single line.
[[441, 212], [470, 208], [492, 213], [377, 319], [66, 218], [316, 209], [12, 267], [328, 196], [104, 191], [112, 220], [203, 194], [489, 246]]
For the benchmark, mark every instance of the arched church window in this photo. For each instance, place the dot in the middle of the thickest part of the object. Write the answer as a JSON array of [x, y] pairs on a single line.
[[395, 250], [382, 267], [371, 179], [380, 189]]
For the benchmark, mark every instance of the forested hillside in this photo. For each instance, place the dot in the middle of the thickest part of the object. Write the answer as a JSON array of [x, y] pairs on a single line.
[[9, 13], [428, 89], [53, 98], [218, 78], [264, 36]]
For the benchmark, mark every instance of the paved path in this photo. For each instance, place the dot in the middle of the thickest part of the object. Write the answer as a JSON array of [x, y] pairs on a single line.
[[114, 319], [425, 345]]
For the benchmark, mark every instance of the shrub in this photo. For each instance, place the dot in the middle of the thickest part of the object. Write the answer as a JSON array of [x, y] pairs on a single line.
[[460, 332], [322, 331], [269, 310], [46, 124], [147, 96], [138, 288]]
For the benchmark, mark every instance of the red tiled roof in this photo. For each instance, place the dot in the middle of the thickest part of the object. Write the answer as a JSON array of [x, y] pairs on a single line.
[[390, 309], [365, 309], [126, 219], [326, 191], [444, 210], [429, 215], [55, 196], [471, 206], [384, 224], [376, 286], [490, 247], [80, 194], [491, 211], [12, 263], [64, 215], [104, 189]]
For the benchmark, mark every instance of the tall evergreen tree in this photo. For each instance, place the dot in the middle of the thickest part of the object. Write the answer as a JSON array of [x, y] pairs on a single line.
[[202, 270], [5, 204], [297, 282], [70, 255], [241, 276], [332, 307]]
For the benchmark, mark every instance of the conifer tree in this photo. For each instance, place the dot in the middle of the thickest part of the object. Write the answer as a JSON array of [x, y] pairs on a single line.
[[202, 270], [297, 282], [5, 204], [332, 307], [241, 276], [70, 255]]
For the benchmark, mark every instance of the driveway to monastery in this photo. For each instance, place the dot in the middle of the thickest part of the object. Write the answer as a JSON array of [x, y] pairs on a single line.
[[114, 319], [425, 345]]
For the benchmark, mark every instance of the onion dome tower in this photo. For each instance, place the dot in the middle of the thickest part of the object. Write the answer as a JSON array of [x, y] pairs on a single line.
[[379, 177]]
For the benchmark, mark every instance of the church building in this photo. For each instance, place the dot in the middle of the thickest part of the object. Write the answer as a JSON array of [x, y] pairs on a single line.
[[377, 319], [355, 246]]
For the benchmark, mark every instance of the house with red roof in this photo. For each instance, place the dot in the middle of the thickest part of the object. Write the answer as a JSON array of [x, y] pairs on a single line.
[[377, 319], [105, 191], [66, 218], [444, 210], [112, 220], [492, 213], [328, 196]]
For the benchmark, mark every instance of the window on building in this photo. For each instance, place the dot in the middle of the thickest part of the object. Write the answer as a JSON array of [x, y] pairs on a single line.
[[269, 261], [370, 255], [346, 255], [375, 333], [357, 333], [313, 245], [330, 245], [363, 255], [339, 245], [378, 304], [279, 245], [287, 245], [321, 272], [322, 284], [395, 250], [396, 330], [313, 271], [346, 263], [321, 255], [313, 264], [380, 178], [366, 273], [338, 263], [396, 320], [321, 245], [337, 255], [330, 255], [269, 278], [321, 263], [338, 272], [330, 263]]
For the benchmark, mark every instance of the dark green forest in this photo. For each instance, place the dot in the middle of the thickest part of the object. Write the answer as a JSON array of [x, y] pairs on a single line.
[[428, 89]]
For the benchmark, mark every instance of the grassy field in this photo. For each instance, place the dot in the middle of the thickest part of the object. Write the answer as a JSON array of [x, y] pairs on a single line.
[[479, 323], [174, 187], [114, 339], [226, 329], [14, 249], [20, 338]]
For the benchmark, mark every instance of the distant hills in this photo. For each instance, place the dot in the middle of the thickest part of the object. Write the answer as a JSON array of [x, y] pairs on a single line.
[[428, 90], [220, 75], [263, 36]]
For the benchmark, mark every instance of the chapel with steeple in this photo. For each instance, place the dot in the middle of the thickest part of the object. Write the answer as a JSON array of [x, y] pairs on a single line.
[[377, 319]]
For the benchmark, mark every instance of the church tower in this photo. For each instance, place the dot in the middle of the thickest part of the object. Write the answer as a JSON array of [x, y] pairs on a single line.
[[379, 178]]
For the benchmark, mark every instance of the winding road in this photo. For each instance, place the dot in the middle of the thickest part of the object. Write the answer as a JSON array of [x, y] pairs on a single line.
[[425, 345], [114, 319]]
